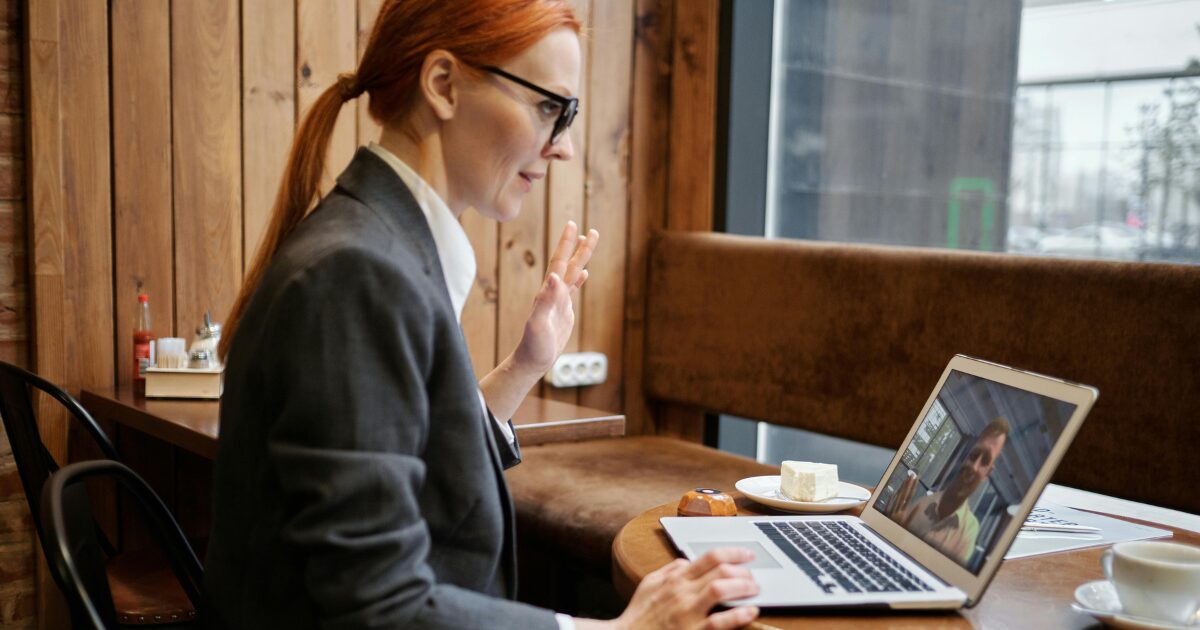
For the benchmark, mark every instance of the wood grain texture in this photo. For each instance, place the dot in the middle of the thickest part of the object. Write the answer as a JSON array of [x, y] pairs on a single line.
[[87, 220], [268, 110], [479, 316], [608, 195], [566, 192], [522, 266], [325, 47], [649, 159], [367, 129], [87, 196], [206, 114], [141, 163], [46, 238], [693, 115]]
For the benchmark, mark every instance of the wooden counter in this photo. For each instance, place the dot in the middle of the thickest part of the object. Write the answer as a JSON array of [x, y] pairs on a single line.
[[192, 424]]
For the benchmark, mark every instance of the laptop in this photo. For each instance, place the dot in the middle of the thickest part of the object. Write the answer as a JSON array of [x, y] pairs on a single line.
[[939, 522]]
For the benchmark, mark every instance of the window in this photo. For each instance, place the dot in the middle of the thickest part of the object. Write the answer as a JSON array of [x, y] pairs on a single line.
[[1051, 127]]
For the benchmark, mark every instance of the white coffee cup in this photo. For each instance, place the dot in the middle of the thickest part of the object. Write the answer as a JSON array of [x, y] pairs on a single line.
[[1155, 579]]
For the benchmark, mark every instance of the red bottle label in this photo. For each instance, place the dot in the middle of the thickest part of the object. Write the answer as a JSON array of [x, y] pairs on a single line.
[[142, 357]]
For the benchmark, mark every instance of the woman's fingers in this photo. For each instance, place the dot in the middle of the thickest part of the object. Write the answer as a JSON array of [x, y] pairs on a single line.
[[717, 557], [732, 618], [562, 251], [584, 248], [572, 254]]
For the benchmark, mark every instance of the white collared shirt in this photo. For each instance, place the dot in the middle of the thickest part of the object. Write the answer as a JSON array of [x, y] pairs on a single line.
[[454, 250]]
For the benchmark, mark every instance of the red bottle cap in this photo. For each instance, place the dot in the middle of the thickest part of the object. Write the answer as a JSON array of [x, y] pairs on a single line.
[[142, 297]]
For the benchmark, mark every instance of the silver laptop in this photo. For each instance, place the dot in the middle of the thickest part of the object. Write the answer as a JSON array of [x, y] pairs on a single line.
[[938, 524]]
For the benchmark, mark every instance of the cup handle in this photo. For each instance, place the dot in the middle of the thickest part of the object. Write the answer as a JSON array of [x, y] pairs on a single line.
[[1106, 563]]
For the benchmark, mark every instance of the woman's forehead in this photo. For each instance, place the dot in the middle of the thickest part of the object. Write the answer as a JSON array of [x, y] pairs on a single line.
[[553, 62]]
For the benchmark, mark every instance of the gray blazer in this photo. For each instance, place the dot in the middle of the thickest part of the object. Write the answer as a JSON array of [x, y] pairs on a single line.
[[358, 482]]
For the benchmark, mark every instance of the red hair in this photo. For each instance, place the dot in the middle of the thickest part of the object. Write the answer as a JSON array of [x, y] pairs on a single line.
[[477, 32]]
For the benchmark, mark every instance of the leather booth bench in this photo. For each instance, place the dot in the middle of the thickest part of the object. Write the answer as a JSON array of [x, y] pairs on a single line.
[[848, 340]]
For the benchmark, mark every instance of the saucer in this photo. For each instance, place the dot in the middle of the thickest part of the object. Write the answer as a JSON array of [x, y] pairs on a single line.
[[765, 490], [1099, 599]]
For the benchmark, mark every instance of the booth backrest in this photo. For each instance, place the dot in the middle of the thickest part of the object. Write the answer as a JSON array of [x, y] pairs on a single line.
[[848, 340]]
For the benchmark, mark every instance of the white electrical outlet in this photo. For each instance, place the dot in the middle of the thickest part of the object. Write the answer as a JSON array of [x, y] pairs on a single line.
[[573, 369]]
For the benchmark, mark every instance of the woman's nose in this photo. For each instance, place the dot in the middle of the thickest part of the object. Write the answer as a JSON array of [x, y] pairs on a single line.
[[563, 150]]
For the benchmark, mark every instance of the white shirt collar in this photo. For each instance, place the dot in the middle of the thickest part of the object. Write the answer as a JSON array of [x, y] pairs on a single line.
[[453, 247]]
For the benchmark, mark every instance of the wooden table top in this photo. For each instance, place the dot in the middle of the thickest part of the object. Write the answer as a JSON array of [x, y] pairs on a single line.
[[1034, 592], [193, 424]]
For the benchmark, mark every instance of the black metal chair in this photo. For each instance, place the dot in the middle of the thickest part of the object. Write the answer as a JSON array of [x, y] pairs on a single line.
[[139, 599], [74, 552]]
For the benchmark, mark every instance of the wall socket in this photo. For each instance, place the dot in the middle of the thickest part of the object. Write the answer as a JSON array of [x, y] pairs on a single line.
[[573, 369]]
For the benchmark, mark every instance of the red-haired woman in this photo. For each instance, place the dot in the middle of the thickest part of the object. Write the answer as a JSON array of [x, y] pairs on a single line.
[[358, 481]]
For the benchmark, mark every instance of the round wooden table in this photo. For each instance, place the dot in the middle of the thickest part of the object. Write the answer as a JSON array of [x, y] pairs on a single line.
[[1034, 592]]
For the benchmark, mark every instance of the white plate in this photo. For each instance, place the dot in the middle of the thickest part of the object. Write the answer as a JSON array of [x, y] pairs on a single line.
[[1099, 599], [765, 490]]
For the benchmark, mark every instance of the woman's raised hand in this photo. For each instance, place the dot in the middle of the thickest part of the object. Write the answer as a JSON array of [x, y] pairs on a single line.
[[549, 326], [681, 594]]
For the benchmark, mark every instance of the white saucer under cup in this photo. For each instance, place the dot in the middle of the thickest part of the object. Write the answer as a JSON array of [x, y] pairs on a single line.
[[1155, 579]]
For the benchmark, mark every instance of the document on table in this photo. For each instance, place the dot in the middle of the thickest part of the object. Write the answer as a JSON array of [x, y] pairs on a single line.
[[1108, 531]]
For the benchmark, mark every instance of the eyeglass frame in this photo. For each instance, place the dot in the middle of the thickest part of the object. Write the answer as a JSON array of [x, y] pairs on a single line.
[[569, 105]]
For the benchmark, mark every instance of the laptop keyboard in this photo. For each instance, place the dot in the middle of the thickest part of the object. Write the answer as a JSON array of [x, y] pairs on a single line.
[[832, 554]]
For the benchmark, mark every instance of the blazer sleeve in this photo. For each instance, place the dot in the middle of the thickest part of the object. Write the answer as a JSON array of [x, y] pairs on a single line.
[[347, 449]]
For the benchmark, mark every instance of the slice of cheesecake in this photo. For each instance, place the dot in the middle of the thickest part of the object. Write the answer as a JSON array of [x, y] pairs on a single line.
[[808, 481]]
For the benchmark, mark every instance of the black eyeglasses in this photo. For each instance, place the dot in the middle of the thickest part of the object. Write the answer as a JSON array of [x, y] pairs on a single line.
[[567, 107]]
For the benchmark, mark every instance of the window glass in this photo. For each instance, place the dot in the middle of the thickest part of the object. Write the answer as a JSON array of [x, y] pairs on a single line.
[[989, 125]]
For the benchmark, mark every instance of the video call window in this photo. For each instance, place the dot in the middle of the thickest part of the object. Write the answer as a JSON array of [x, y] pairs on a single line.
[[971, 461]]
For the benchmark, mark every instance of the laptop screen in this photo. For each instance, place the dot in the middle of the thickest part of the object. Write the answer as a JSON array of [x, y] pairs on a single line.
[[962, 477]]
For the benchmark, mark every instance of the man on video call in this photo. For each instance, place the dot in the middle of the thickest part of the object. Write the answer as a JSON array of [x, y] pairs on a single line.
[[944, 519]]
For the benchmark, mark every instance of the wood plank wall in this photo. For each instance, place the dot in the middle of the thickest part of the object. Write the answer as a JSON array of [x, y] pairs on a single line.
[[159, 128]]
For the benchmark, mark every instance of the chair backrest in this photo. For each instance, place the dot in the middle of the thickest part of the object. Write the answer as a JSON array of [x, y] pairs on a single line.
[[74, 552], [34, 462], [847, 340]]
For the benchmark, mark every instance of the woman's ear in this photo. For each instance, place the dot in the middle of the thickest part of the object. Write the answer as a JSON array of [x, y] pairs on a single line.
[[439, 83]]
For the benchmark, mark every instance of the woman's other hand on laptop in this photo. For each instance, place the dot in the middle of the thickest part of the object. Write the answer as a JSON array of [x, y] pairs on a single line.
[[681, 594]]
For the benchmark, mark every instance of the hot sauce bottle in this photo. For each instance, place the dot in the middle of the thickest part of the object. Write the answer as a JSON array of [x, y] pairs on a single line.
[[143, 357]]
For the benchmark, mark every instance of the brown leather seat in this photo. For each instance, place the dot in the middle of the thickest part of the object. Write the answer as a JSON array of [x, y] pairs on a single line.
[[146, 592], [564, 493]]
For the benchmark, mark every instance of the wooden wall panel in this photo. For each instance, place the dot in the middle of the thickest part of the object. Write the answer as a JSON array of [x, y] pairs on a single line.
[[566, 194], [368, 129], [87, 193], [268, 110], [46, 242], [325, 47], [206, 111], [87, 217], [481, 309], [608, 194], [649, 153], [522, 266], [693, 115], [141, 163]]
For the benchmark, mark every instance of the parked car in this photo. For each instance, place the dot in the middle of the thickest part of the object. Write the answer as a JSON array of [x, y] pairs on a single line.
[[1104, 240]]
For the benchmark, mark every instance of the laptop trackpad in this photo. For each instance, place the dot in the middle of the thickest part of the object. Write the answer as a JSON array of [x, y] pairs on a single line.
[[762, 559]]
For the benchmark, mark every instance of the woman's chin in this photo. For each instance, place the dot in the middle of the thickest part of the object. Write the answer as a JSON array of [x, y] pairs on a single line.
[[503, 212]]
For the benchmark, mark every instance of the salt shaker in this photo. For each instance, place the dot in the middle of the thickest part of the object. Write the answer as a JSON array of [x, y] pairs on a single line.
[[199, 360], [208, 337]]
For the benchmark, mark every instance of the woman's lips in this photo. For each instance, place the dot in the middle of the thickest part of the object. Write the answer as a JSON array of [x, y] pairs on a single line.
[[527, 179]]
